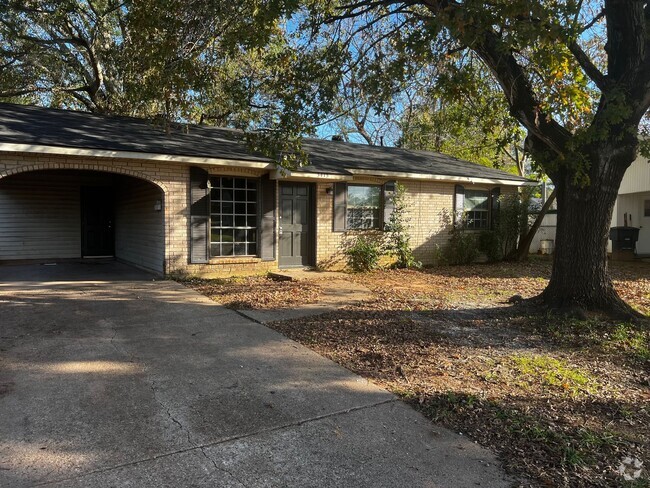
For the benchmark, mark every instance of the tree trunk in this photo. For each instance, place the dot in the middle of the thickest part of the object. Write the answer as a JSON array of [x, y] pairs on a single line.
[[580, 274], [521, 252]]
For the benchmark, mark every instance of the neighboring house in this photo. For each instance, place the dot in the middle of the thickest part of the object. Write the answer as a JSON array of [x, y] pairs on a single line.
[[632, 209], [633, 203], [195, 200]]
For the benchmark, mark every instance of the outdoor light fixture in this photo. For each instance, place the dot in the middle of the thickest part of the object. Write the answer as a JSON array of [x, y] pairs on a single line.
[[329, 190], [157, 206]]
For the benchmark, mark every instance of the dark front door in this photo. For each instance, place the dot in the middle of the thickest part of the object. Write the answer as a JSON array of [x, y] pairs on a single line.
[[296, 224], [97, 229]]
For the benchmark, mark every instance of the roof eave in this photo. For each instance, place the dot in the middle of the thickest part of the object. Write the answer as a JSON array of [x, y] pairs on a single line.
[[110, 154], [445, 178]]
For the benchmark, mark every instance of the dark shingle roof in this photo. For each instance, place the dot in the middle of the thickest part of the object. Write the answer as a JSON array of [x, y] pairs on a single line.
[[22, 124]]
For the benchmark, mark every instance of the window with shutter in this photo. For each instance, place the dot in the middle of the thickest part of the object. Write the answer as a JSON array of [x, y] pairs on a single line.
[[233, 216]]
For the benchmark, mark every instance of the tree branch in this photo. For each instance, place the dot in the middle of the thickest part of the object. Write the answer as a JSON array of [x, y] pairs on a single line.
[[588, 66]]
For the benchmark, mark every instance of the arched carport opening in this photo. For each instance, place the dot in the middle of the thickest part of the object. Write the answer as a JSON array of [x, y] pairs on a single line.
[[56, 214]]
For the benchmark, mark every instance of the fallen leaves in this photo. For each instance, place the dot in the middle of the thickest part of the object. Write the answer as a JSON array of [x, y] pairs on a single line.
[[561, 403], [256, 292]]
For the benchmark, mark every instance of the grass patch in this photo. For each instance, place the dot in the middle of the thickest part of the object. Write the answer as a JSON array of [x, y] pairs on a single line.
[[635, 342], [553, 372], [630, 341]]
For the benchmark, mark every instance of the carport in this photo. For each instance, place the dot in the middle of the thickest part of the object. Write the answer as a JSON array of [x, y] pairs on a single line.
[[52, 215]]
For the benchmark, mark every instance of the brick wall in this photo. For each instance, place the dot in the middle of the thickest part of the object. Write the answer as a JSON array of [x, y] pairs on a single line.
[[429, 215], [428, 204], [173, 180]]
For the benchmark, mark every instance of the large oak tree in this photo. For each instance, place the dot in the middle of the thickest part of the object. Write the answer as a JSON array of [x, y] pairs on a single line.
[[576, 75]]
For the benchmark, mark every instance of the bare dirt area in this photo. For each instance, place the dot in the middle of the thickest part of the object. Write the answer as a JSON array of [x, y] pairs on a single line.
[[563, 402]]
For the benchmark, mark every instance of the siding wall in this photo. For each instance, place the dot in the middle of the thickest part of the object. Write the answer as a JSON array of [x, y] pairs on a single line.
[[637, 177], [139, 231], [633, 205], [39, 217]]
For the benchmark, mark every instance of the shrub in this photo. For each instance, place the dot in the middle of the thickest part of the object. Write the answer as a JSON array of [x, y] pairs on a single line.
[[363, 253], [398, 239], [489, 244], [462, 248]]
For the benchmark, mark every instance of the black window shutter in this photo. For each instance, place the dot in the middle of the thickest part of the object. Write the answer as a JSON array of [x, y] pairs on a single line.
[[495, 204], [459, 204], [340, 204], [267, 212], [199, 216], [389, 189]]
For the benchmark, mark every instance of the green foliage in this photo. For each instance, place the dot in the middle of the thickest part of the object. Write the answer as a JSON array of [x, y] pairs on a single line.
[[462, 247], [363, 253], [466, 116], [511, 222], [398, 239], [513, 219], [225, 63], [489, 243]]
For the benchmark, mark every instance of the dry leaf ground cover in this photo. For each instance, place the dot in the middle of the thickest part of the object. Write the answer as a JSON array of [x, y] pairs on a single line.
[[562, 402], [256, 292]]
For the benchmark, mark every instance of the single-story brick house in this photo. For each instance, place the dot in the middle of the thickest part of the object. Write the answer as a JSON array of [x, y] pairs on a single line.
[[195, 200]]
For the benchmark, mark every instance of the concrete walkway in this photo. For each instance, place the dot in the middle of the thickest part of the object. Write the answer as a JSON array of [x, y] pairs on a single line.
[[108, 378]]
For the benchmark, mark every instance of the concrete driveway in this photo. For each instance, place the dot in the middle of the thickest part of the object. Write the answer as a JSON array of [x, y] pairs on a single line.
[[111, 378]]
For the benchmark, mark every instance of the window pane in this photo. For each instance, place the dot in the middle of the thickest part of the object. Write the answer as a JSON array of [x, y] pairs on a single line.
[[364, 196], [227, 235], [240, 235], [363, 206], [227, 221], [476, 200], [363, 218], [233, 217]]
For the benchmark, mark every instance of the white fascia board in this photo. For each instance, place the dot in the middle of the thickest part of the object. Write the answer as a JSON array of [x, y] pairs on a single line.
[[102, 153], [286, 174], [443, 178], [320, 177]]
